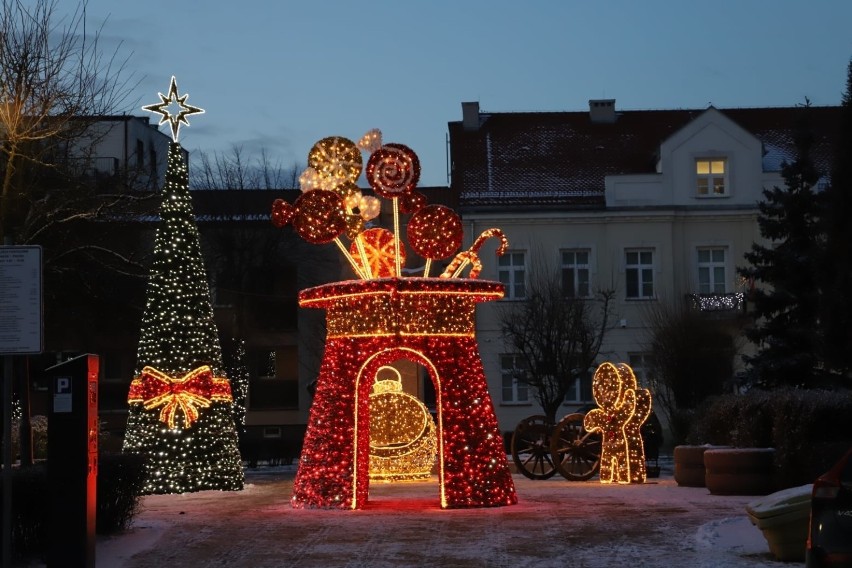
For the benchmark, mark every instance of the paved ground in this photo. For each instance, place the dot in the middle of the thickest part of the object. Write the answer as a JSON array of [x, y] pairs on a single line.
[[556, 523]]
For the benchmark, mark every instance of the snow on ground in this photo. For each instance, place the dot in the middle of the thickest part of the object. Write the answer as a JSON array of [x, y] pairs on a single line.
[[555, 523]]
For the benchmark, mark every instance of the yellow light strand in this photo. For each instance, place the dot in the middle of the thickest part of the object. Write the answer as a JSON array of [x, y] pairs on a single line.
[[368, 270], [351, 260], [396, 236]]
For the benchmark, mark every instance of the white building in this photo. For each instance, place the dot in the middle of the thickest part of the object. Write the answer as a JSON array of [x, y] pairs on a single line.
[[125, 147], [657, 205]]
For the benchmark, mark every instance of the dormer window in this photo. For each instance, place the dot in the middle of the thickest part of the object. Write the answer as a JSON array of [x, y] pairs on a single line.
[[711, 177]]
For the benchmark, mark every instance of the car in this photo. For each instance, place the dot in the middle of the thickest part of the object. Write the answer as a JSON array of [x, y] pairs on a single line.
[[830, 531]]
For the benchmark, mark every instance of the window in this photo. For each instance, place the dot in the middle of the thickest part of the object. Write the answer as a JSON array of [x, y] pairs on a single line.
[[152, 160], [140, 154], [641, 365], [639, 274], [510, 270], [711, 177], [575, 273], [515, 391], [273, 378], [271, 431], [581, 391], [711, 270]]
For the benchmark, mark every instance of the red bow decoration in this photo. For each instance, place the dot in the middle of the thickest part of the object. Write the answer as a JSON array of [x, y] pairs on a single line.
[[195, 389]]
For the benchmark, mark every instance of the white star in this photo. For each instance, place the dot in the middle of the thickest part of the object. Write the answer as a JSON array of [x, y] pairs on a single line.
[[175, 120]]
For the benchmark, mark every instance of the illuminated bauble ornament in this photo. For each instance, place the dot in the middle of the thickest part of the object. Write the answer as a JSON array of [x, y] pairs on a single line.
[[412, 202], [435, 232], [354, 226], [393, 170], [379, 249], [371, 141], [282, 212], [403, 442], [337, 160], [320, 216], [369, 207]]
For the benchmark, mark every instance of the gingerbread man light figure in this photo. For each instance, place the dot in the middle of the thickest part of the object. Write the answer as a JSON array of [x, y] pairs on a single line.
[[623, 408]]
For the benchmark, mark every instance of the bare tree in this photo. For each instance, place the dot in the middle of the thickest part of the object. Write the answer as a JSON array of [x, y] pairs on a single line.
[[556, 336], [236, 171], [53, 75], [54, 79], [691, 358]]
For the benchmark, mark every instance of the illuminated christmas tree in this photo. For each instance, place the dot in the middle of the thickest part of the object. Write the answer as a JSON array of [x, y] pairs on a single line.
[[181, 407], [237, 372]]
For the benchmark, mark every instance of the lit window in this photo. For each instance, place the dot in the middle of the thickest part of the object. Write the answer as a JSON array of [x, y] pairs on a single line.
[[639, 274], [515, 391], [512, 274], [711, 177], [711, 270], [575, 273]]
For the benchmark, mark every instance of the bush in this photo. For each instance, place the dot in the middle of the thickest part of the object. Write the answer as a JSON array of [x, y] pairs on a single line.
[[120, 481], [809, 429], [29, 510], [714, 422]]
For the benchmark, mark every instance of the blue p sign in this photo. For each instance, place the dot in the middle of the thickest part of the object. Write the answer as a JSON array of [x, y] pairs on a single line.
[[63, 385]]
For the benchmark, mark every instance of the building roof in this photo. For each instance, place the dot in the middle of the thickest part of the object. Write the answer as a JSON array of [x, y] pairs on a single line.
[[562, 158]]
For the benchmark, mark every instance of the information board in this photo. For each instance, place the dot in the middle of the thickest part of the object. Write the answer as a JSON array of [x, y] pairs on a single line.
[[20, 300]]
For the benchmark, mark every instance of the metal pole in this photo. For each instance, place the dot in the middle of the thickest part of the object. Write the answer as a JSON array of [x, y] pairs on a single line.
[[7, 453], [7, 461]]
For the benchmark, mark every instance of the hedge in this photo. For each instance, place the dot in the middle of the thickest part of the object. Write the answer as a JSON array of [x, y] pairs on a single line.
[[809, 429], [120, 479]]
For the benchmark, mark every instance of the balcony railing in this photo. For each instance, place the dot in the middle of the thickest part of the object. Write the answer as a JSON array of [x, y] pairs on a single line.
[[99, 167], [717, 303]]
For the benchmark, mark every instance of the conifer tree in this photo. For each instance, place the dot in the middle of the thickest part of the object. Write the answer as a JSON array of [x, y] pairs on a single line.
[[181, 413], [836, 273], [239, 376], [786, 304]]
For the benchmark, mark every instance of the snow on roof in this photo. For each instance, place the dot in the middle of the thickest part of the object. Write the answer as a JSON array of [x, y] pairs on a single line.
[[563, 157]]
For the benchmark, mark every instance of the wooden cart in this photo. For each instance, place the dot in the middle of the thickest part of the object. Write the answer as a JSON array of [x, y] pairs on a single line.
[[540, 449]]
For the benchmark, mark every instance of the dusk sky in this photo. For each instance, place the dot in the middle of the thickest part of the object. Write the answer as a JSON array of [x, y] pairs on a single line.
[[281, 75]]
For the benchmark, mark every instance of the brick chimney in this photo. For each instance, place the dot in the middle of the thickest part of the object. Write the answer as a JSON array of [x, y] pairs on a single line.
[[470, 115], [602, 110]]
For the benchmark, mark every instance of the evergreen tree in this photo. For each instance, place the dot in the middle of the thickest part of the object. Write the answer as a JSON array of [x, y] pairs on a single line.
[[239, 377], [786, 306], [181, 415], [836, 273]]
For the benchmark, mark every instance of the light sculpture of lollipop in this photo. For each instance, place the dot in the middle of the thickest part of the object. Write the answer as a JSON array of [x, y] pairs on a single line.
[[381, 318], [332, 205]]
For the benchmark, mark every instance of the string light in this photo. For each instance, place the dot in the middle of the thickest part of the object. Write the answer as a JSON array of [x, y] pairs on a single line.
[[174, 120], [380, 319], [196, 389], [180, 410], [371, 324], [623, 408]]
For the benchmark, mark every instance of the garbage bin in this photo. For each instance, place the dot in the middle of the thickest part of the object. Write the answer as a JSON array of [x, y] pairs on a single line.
[[782, 517]]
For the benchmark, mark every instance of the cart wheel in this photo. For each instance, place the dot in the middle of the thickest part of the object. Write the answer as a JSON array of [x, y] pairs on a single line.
[[531, 448], [575, 451]]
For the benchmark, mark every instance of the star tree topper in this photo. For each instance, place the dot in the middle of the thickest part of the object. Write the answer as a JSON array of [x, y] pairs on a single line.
[[175, 120]]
